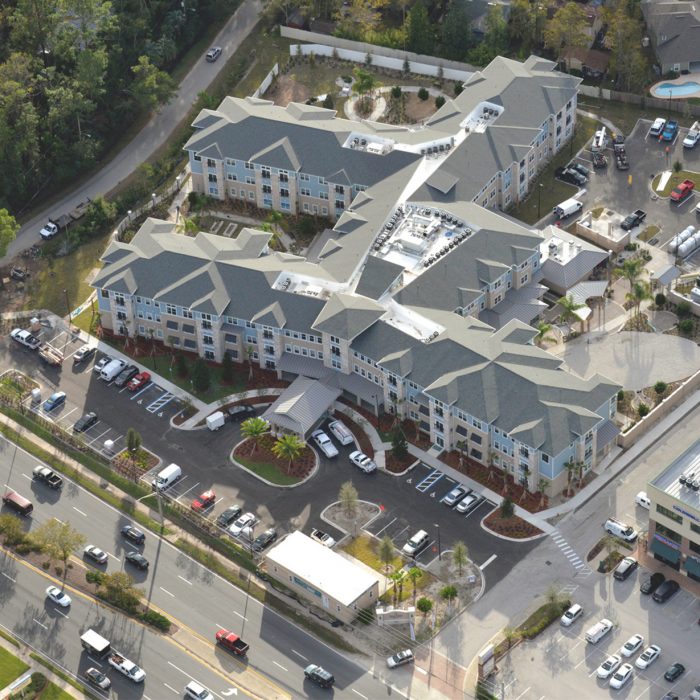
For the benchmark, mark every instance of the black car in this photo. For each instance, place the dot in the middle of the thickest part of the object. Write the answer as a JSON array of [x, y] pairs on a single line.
[[674, 672], [137, 559], [264, 540], [625, 568], [650, 584], [570, 175], [228, 516], [86, 422], [240, 412], [126, 375], [132, 534], [580, 169], [666, 590]]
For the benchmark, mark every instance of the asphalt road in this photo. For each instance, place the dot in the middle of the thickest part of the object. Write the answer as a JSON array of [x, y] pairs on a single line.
[[153, 135], [194, 597]]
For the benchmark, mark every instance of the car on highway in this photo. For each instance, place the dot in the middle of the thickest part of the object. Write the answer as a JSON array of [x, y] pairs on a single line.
[[213, 53], [226, 517], [666, 590], [56, 595], [86, 422], [625, 569], [324, 443], [648, 656], [455, 495], [651, 583], [363, 462], [204, 501], [632, 645], [25, 338], [245, 520], [56, 399], [133, 534], [240, 412], [674, 671], [401, 659], [571, 615], [322, 537], [126, 375], [97, 678], [264, 540], [197, 692], [621, 677], [101, 363], [138, 381], [470, 501], [609, 666], [95, 553], [319, 676], [83, 354], [137, 559]]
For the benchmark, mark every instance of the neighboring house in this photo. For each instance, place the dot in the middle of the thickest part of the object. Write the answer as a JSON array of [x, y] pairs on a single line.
[[674, 30], [592, 63], [417, 300]]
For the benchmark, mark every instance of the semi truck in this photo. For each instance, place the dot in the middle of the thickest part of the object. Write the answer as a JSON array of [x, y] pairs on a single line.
[[126, 667], [232, 642], [95, 645], [48, 476]]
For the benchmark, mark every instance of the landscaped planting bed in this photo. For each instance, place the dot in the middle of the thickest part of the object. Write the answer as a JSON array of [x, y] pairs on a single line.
[[262, 461]]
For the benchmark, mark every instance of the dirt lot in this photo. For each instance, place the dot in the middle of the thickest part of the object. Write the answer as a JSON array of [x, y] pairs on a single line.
[[286, 89]]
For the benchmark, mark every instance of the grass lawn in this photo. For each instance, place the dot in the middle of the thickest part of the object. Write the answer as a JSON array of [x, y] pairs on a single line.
[[648, 233], [268, 471], [53, 692], [366, 549], [554, 191], [10, 667], [674, 181]]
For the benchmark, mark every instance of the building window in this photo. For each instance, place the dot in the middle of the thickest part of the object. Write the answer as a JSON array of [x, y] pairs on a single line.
[[212, 177], [667, 532], [208, 354], [267, 189], [669, 514], [265, 172], [284, 192], [339, 204], [207, 340]]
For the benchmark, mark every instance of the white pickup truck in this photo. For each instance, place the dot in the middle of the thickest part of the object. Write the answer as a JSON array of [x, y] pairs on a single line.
[[128, 668], [692, 137], [49, 230]]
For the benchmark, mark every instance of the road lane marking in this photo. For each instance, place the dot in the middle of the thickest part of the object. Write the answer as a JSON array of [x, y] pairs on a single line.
[[280, 666], [189, 583], [80, 511], [301, 656], [40, 623], [164, 591], [96, 662], [523, 693], [357, 692], [62, 613], [109, 554], [241, 616], [487, 562], [421, 670], [169, 687], [9, 577], [27, 477]]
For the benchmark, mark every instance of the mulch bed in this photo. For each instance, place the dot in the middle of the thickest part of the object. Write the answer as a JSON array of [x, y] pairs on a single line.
[[514, 526], [397, 466], [301, 467], [360, 435], [384, 423], [495, 481]]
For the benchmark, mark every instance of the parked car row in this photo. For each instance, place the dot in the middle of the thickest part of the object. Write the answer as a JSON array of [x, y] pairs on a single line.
[[462, 499]]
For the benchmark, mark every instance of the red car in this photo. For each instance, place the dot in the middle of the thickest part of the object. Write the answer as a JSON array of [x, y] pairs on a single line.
[[204, 500], [140, 380], [683, 191]]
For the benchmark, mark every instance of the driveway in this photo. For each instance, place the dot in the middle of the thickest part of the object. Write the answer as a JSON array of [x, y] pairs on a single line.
[[154, 134]]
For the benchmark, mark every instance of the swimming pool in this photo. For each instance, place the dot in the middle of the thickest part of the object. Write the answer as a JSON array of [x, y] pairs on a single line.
[[676, 89]]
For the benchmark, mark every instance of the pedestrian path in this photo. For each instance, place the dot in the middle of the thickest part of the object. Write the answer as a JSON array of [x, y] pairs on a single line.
[[570, 554]]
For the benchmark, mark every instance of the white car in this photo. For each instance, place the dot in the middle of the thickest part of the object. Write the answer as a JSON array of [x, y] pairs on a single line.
[[621, 676], [324, 443], [609, 666], [323, 537], [25, 338], [246, 520], [49, 230], [641, 499], [632, 645], [571, 615], [363, 462], [58, 596], [456, 494], [401, 659], [197, 692], [469, 501], [102, 362], [648, 656]]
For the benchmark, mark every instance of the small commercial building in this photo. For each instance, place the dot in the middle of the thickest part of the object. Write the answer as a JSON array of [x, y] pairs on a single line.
[[674, 516], [322, 576]]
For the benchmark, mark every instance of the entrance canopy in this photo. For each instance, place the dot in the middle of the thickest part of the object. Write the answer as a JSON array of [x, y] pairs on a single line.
[[301, 406]]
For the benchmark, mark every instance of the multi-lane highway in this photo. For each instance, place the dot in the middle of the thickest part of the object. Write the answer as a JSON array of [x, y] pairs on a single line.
[[194, 597]]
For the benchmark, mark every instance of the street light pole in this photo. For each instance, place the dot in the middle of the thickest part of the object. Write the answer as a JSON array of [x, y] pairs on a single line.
[[437, 525], [539, 201]]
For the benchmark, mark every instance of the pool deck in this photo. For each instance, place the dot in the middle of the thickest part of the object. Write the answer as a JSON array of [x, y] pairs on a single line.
[[680, 80]]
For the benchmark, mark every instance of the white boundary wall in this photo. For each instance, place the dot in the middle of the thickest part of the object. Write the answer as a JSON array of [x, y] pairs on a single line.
[[267, 81]]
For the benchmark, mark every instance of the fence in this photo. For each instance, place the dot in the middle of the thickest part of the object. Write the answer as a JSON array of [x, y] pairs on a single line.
[[681, 106], [267, 81], [383, 57]]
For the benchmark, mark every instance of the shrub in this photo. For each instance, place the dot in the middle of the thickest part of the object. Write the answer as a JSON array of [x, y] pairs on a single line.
[[58, 570], [507, 507], [396, 92], [458, 89], [92, 576], [683, 309], [423, 94], [621, 395], [686, 326], [424, 605], [37, 684], [155, 619], [660, 299], [439, 101], [660, 388], [45, 565], [642, 410], [328, 101]]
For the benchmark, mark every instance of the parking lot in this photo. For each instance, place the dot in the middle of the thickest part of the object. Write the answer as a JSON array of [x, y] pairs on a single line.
[[560, 663]]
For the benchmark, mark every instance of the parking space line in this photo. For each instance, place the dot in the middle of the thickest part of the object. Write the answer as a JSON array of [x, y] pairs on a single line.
[[138, 393], [184, 493], [523, 693], [385, 527], [487, 562]]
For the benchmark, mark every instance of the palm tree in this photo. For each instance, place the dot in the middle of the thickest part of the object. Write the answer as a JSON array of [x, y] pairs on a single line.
[[543, 328], [414, 573], [570, 469], [395, 578], [460, 555], [630, 269], [188, 226], [525, 471], [580, 466], [569, 307], [542, 486], [641, 291], [249, 352], [461, 444], [386, 552], [253, 429], [288, 446], [511, 635]]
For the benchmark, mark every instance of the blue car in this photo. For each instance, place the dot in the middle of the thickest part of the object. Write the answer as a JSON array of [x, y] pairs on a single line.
[[670, 130], [55, 400]]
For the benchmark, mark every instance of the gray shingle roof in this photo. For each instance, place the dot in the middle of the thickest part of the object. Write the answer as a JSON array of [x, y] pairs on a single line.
[[377, 276], [347, 315]]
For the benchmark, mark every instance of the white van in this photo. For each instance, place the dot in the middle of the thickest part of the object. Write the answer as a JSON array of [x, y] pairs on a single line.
[[167, 477], [621, 530], [571, 615], [340, 432], [416, 544], [112, 369], [568, 208], [598, 631]]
